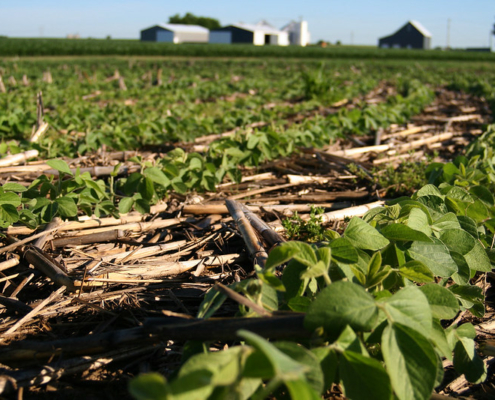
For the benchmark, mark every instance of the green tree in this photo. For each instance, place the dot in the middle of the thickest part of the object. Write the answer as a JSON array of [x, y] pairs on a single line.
[[191, 19]]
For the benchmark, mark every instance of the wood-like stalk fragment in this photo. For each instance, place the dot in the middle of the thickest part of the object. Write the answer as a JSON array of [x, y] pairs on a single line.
[[357, 211], [15, 304], [134, 226], [107, 236], [271, 237], [93, 222], [48, 266], [18, 158], [239, 298], [34, 312], [147, 272], [253, 244], [54, 371], [41, 126], [9, 264], [211, 138], [405, 132], [262, 190], [50, 231], [145, 251], [154, 330]]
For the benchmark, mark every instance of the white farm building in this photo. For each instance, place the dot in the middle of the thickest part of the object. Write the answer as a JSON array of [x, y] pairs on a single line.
[[259, 34], [298, 33], [175, 33]]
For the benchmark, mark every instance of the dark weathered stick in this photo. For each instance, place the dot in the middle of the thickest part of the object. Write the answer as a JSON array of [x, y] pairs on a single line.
[[107, 236], [15, 304], [271, 237], [54, 371], [282, 326], [253, 244], [34, 312], [41, 241], [47, 266]]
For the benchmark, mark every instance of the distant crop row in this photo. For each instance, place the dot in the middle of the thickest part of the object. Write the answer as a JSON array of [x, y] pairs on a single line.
[[66, 47]]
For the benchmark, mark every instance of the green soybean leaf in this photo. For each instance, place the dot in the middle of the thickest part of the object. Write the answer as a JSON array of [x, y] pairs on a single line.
[[194, 385], [363, 236], [8, 215], [299, 304], [328, 362], [14, 187], [466, 330], [463, 274], [283, 253], [224, 365], [340, 304], [343, 251], [179, 186], [10, 198], [60, 165], [435, 256], [442, 302], [348, 340], [283, 366], [410, 308], [404, 233], [428, 190], [482, 193], [439, 339], [435, 205], [291, 278], [469, 295], [469, 225], [314, 374], [268, 277], [157, 176], [300, 389], [418, 221], [447, 221], [66, 207], [416, 271], [315, 271], [125, 205], [410, 361], [150, 386], [478, 211], [142, 206], [363, 378], [467, 361], [463, 243]]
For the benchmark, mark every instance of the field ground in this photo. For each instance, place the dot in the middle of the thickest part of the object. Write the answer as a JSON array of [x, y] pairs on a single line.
[[165, 142]]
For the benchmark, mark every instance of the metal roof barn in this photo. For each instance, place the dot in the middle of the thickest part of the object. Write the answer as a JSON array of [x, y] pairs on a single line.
[[259, 35], [412, 35], [175, 33]]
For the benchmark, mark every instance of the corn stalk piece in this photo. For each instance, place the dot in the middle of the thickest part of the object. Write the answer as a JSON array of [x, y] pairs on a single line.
[[253, 244], [271, 237]]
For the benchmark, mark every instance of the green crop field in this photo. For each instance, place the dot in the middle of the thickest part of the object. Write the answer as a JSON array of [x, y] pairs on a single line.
[[79, 47], [373, 308]]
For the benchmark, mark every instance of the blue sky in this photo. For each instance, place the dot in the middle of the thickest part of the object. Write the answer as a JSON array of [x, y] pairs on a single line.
[[359, 21]]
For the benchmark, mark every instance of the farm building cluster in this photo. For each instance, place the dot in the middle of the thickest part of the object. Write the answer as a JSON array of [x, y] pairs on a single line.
[[412, 35], [294, 33]]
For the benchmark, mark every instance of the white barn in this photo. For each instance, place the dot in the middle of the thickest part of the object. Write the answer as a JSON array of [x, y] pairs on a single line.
[[175, 33], [298, 33], [260, 34]]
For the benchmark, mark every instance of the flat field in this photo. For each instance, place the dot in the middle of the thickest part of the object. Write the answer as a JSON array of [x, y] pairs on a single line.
[[142, 196]]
